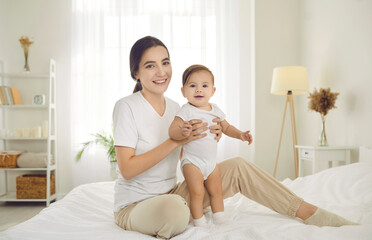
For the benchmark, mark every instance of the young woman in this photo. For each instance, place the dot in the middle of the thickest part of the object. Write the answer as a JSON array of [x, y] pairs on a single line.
[[147, 197]]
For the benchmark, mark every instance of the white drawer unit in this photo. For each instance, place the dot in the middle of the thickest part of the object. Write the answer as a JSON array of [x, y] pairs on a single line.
[[306, 153], [320, 158]]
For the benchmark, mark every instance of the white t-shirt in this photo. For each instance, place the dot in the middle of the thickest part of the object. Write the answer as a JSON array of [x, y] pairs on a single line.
[[139, 126], [203, 148]]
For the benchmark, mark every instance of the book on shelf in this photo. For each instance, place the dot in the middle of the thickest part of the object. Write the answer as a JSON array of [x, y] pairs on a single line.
[[10, 96], [17, 100], [3, 96]]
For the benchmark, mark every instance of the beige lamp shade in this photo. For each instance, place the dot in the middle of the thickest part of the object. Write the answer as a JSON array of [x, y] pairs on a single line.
[[290, 78]]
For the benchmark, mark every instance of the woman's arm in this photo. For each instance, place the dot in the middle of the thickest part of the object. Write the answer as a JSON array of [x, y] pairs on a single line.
[[131, 165]]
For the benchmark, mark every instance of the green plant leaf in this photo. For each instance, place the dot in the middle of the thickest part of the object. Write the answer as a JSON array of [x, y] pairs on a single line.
[[100, 139]]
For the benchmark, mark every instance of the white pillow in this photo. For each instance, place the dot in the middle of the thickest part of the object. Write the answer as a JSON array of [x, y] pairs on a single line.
[[32, 160]]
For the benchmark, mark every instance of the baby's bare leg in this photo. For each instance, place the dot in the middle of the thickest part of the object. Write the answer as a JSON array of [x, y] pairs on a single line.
[[214, 188], [194, 180]]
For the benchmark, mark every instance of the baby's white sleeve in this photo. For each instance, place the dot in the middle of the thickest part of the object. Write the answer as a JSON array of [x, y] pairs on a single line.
[[125, 129], [219, 113], [183, 113]]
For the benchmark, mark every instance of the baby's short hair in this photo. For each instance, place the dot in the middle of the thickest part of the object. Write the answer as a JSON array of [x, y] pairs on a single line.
[[192, 69]]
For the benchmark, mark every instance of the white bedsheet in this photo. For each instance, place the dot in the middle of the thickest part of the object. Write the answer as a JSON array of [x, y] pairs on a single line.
[[86, 212]]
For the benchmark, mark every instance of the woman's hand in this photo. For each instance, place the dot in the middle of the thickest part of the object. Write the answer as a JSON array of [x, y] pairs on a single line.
[[198, 127], [216, 129]]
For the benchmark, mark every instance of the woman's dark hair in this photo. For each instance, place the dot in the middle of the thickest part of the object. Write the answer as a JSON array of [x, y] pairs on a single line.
[[192, 69], [136, 53]]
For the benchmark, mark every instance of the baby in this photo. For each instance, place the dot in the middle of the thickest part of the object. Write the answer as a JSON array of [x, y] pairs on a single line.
[[198, 160]]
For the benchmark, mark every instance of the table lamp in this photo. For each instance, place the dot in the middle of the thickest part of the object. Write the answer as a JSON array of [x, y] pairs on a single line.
[[289, 81]]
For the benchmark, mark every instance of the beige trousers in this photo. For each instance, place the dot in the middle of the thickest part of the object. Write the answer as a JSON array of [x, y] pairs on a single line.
[[167, 215]]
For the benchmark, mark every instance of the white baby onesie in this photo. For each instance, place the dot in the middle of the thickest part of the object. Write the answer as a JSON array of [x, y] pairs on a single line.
[[201, 152]]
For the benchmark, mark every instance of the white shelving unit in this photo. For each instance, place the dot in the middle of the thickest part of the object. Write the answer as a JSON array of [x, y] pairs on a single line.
[[26, 115]]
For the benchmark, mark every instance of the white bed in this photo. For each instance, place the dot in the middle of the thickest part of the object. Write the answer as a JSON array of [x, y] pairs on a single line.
[[86, 212]]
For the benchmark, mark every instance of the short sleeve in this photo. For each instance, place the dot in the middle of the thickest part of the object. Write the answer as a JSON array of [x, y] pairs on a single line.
[[124, 126], [183, 113], [219, 112]]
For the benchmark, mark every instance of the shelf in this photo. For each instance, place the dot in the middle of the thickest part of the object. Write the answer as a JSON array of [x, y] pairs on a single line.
[[13, 116], [52, 138], [12, 197], [27, 138], [24, 75], [25, 106], [52, 167]]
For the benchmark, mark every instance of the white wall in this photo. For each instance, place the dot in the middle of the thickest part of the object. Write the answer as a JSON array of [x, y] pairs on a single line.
[[336, 46], [332, 38], [48, 23], [277, 44]]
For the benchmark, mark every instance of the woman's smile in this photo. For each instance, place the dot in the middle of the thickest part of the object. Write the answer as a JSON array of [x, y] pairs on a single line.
[[160, 81]]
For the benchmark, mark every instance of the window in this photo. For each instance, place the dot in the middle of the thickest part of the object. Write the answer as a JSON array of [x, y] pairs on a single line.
[[195, 32]]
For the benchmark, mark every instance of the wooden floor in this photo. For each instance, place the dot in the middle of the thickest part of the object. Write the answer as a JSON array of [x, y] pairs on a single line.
[[13, 213]]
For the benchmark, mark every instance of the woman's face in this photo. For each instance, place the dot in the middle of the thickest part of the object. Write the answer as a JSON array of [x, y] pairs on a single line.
[[155, 70]]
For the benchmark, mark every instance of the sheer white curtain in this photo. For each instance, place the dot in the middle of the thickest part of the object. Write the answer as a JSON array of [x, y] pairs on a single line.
[[204, 32]]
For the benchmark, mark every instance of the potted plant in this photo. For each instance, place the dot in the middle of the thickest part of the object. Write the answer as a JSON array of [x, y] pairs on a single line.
[[107, 141]]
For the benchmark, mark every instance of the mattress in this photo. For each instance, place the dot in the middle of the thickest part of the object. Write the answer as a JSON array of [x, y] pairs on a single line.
[[86, 212]]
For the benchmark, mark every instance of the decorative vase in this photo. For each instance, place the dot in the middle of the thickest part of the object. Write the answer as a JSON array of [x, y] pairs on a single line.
[[26, 67], [25, 43], [323, 137]]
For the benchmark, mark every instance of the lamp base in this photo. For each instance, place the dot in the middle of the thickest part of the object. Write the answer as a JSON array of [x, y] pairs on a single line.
[[289, 100]]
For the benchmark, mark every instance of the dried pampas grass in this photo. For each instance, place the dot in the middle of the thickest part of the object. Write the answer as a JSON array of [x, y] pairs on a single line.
[[322, 101], [25, 41]]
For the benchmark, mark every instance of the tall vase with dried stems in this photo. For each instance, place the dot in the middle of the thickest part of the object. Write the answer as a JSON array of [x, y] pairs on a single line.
[[322, 142], [25, 43], [26, 67], [322, 101]]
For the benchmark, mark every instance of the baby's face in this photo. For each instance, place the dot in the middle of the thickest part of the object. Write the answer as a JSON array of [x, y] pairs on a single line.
[[199, 88]]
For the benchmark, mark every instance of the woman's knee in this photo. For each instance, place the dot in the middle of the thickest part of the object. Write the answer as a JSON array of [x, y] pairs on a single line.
[[174, 216], [163, 216], [175, 205]]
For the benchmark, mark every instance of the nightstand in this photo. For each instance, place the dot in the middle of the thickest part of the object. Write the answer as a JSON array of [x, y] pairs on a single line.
[[322, 157]]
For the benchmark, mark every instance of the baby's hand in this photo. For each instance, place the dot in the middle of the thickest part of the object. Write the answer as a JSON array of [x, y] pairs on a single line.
[[246, 136], [186, 129]]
